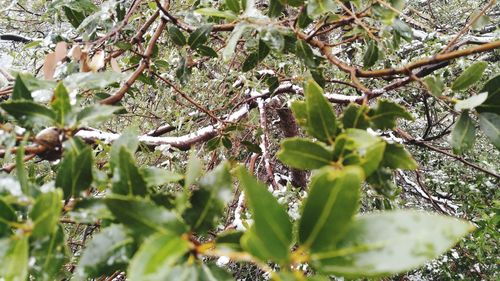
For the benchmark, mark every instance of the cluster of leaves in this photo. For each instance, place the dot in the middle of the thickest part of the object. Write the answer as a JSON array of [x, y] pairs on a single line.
[[153, 221]]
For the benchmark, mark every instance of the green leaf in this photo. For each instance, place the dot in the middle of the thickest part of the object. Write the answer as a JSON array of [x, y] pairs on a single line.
[[143, 216], [7, 216], [199, 36], [304, 154], [20, 91], [381, 180], [318, 7], [129, 140], [127, 180], [50, 255], [471, 102], [233, 5], [492, 103], [371, 54], [272, 228], [396, 157], [228, 51], [386, 113], [157, 177], [61, 104], [213, 12], [208, 202], [490, 124], [194, 170], [45, 213], [322, 123], [14, 258], [156, 257], [75, 171], [435, 85], [250, 62], [108, 251], [275, 8], [470, 76], [176, 36], [332, 202], [463, 134], [207, 51], [23, 110], [355, 116], [96, 113], [299, 109], [389, 243], [305, 53], [293, 3]]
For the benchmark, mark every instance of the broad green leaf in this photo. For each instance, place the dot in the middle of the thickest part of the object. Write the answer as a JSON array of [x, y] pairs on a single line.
[[250, 62], [232, 41], [176, 36], [371, 157], [470, 76], [471, 102], [490, 125], [194, 170], [96, 113], [207, 51], [382, 181], [22, 173], [463, 134], [435, 85], [233, 5], [199, 36], [213, 12], [208, 202], [50, 254], [371, 54], [45, 213], [332, 202], [129, 140], [229, 240], [24, 110], [108, 251], [293, 3], [355, 116], [492, 103], [386, 113], [299, 109], [156, 257], [7, 216], [194, 272], [304, 154], [127, 180], [305, 53], [20, 91], [75, 171], [384, 244], [157, 176], [396, 157], [272, 226], [143, 216], [14, 254], [275, 8], [61, 105], [322, 123], [318, 7]]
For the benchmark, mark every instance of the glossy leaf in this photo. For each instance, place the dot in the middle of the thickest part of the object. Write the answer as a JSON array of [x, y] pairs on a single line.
[[322, 123], [233, 5], [490, 125], [199, 36], [272, 228], [332, 202], [355, 116], [471, 102], [386, 113], [232, 41], [96, 113], [396, 157], [157, 177], [176, 36], [388, 243], [7, 216], [371, 54], [305, 53], [28, 110], [61, 104], [92, 81], [75, 173], [20, 91], [492, 103], [318, 7], [435, 85], [463, 134], [45, 213], [156, 257], [304, 154], [143, 216], [470, 76], [129, 140], [14, 258], [127, 180]]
